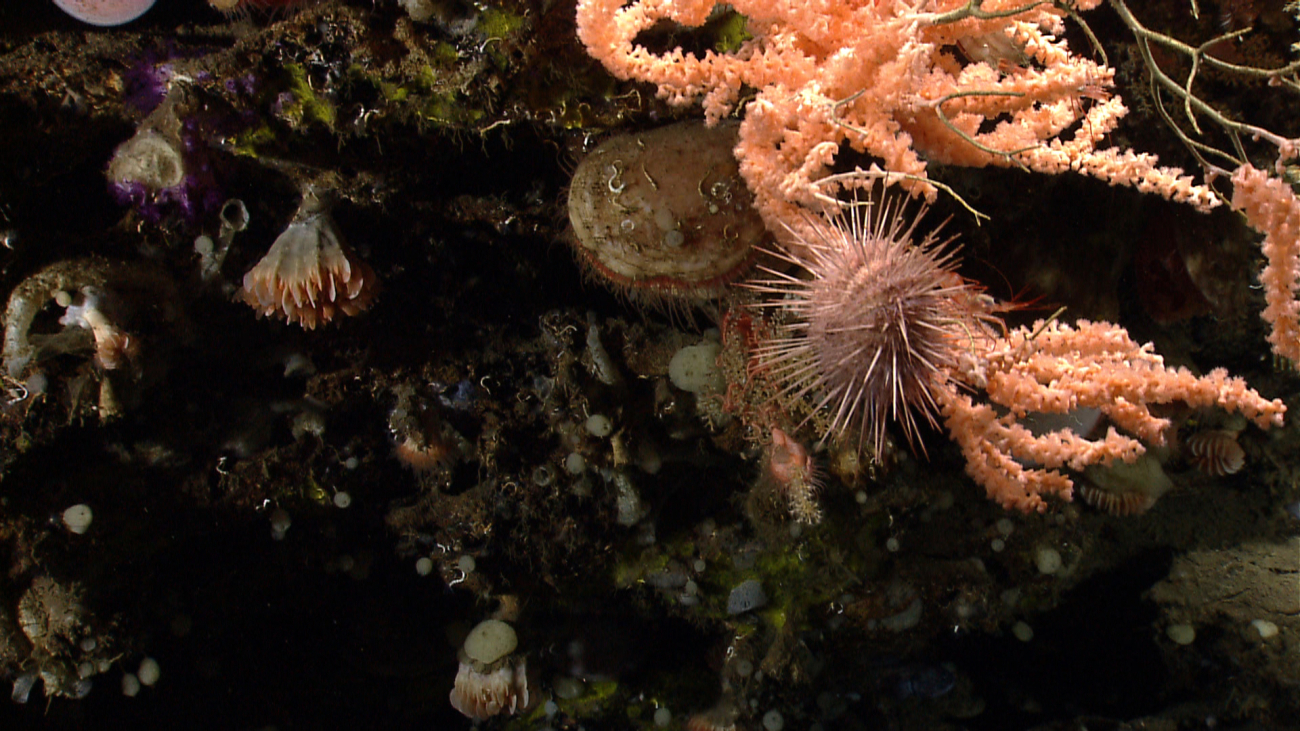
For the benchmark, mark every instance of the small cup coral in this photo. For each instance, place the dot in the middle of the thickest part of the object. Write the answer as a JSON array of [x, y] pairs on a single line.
[[492, 679], [310, 275]]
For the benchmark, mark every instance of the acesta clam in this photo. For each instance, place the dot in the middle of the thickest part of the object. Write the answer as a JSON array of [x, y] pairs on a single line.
[[663, 216]]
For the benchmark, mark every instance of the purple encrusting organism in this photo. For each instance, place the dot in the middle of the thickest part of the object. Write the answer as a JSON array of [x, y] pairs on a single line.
[[149, 77], [146, 83], [245, 85], [195, 196], [166, 169]]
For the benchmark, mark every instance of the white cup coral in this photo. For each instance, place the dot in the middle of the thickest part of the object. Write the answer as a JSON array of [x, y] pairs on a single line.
[[310, 275], [491, 679]]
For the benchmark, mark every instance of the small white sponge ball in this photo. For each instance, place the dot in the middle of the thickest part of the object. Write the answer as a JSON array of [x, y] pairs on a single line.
[[77, 518], [149, 671], [489, 641], [695, 369]]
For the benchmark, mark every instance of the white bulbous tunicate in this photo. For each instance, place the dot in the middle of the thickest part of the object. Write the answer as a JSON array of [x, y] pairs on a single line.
[[424, 566], [1048, 560], [23, 685], [280, 522], [1181, 634], [648, 458], [575, 464], [419, 10], [630, 508], [568, 688], [599, 425], [36, 384], [1264, 629], [77, 518], [130, 685]]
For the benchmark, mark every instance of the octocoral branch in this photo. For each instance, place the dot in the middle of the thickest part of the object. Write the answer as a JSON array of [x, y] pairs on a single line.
[[1057, 369], [1271, 207], [881, 78]]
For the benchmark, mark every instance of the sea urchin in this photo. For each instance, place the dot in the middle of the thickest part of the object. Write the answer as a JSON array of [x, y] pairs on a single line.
[[875, 323]]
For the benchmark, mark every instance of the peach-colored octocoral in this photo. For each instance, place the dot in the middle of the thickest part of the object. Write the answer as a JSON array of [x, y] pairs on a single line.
[[1056, 369], [1272, 208], [880, 77], [310, 275]]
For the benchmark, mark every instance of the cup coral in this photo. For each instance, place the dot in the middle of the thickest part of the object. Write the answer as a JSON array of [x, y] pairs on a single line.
[[492, 679], [310, 275]]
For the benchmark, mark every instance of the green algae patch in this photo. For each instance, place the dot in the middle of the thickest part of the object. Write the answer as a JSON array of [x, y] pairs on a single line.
[[306, 105], [730, 32]]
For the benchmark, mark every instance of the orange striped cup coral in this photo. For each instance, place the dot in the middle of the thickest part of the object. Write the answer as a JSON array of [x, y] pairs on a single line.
[[1216, 452], [310, 275]]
